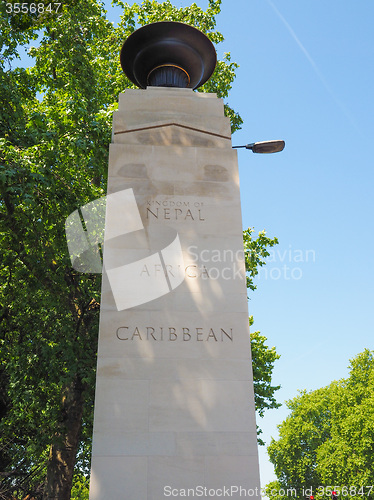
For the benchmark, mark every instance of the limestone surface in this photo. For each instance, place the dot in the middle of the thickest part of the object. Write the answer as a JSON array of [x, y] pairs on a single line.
[[174, 406]]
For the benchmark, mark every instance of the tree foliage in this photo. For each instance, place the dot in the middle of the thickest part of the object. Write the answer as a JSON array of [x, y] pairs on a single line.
[[55, 128], [328, 438], [263, 364], [255, 252]]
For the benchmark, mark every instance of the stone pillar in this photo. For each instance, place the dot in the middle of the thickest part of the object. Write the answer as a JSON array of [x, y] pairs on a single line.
[[174, 404]]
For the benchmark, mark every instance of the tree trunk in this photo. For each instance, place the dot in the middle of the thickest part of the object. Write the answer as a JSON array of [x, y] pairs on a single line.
[[64, 450]]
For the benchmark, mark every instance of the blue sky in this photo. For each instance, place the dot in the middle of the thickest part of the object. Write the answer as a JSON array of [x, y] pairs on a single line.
[[306, 76]]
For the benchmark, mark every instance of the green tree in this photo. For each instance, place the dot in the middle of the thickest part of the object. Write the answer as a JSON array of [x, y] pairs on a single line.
[[328, 438], [263, 364], [55, 127], [255, 253]]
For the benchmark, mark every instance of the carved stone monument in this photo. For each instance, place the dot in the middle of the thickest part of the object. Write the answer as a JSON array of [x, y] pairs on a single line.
[[174, 407]]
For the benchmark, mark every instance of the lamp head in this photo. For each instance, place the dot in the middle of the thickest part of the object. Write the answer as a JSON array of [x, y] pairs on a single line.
[[266, 146], [168, 54]]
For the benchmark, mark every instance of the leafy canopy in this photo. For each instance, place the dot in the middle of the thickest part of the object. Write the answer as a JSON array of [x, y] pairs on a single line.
[[328, 438]]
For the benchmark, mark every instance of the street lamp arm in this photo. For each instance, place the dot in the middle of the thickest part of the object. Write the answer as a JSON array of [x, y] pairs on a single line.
[[264, 146]]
